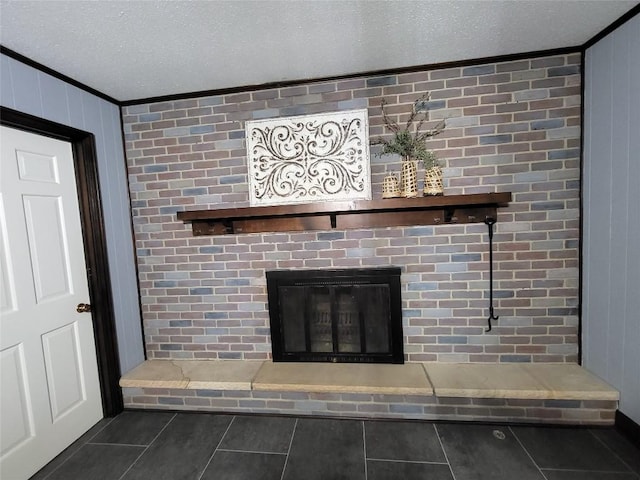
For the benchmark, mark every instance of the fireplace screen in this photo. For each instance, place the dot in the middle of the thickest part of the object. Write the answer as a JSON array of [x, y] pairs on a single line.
[[352, 315]]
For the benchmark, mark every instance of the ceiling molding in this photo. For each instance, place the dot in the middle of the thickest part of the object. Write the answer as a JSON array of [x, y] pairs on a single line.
[[49, 71], [615, 25]]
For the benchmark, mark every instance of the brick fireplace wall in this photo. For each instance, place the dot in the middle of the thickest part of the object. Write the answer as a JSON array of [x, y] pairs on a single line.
[[511, 126]]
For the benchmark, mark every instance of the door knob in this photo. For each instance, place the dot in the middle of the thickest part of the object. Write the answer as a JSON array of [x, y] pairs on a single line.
[[83, 307]]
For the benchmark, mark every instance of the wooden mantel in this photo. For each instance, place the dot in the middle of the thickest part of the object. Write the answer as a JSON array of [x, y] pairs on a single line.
[[393, 212]]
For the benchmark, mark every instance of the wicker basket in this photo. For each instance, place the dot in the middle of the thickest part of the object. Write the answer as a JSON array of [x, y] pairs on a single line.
[[390, 187], [433, 184], [409, 179]]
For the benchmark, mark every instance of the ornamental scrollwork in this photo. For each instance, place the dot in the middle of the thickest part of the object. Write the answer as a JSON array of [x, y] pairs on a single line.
[[309, 158]]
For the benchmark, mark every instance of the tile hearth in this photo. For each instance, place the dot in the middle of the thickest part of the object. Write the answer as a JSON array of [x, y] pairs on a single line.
[[550, 393]]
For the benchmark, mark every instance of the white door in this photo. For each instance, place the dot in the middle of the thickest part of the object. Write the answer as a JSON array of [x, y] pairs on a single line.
[[50, 391]]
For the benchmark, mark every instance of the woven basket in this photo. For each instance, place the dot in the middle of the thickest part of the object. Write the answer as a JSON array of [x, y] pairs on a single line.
[[409, 174], [433, 184], [390, 187]]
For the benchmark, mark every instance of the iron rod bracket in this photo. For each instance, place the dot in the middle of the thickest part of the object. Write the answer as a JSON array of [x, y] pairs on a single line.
[[490, 221]]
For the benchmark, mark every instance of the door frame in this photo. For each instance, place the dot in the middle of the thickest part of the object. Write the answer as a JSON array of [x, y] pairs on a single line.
[[95, 246]]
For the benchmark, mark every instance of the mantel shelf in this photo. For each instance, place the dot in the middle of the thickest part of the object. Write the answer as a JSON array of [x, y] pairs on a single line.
[[393, 212]]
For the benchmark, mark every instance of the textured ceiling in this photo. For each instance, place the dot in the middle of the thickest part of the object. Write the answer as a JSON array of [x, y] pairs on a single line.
[[140, 49]]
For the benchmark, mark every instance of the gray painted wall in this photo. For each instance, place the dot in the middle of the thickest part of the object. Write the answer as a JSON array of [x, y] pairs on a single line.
[[611, 255], [30, 91]]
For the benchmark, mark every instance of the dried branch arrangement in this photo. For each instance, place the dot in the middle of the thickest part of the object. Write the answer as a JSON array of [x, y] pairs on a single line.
[[409, 141]]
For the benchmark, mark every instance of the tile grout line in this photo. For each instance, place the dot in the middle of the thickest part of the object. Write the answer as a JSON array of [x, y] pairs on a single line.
[[117, 444], [364, 450], [419, 462], [248, 451], [527, 452], [147, 447], [616, 455], [217, 446], [286, 460], [446, 457], [74, 453], [100, 431], [617, 472]]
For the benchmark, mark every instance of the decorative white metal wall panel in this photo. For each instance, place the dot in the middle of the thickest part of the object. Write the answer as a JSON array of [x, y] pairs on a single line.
[[309, 158]]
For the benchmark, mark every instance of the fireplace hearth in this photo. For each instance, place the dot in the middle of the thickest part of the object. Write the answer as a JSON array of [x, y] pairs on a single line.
[[347, 315]]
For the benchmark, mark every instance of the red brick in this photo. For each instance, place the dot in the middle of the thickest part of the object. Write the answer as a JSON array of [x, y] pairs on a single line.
[[498, 98], [522, 271]]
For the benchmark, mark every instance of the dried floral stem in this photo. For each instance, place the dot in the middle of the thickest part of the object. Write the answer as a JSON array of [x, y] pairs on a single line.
[[408, 144]]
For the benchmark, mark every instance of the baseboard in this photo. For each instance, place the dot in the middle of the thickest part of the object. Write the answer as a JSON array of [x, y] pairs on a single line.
[[628, 428]]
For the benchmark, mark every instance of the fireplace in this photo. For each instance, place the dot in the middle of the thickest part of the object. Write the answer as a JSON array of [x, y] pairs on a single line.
[[348, 315]]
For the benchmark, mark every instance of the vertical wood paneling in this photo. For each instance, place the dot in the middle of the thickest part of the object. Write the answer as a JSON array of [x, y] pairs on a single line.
[[74, 101], [597, 179], [619, 206], [611, 255], [26, 88], [632, 312], [30, 91], [121, 244], [53, 96], [6, 85]]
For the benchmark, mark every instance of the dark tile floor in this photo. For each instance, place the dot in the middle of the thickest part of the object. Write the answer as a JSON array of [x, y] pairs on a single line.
[[174, 446]]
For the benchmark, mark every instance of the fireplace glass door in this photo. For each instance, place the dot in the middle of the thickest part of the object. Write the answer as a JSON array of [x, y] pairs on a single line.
[[336, 316]]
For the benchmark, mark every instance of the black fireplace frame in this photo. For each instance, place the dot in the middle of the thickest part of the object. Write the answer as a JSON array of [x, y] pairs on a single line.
[[389, 276]]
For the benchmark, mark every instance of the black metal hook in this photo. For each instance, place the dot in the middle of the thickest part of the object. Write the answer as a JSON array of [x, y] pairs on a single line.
[[490, 221]]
